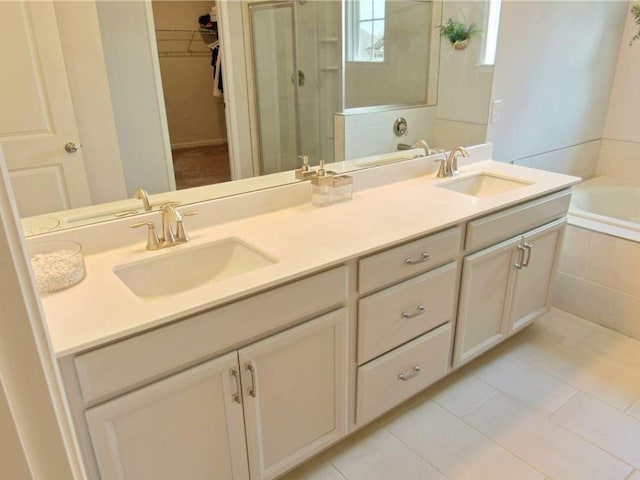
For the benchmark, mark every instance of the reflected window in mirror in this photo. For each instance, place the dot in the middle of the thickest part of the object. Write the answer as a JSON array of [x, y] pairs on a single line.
[[365, 27], [492, 23]]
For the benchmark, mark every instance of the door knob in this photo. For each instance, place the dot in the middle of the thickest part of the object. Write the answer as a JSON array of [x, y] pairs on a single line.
[[70, 147]]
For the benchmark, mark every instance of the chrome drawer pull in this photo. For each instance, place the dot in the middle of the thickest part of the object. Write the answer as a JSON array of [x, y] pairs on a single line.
[[253, 390], [423, 258], [519, 263], [528, 248], [419, 311], [236, 396], [416, 371]]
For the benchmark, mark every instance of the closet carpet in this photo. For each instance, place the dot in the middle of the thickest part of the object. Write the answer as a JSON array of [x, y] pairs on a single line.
[[198, 166]]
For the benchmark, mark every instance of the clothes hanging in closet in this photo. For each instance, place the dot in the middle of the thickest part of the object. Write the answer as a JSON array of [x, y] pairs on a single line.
[[216, 64]]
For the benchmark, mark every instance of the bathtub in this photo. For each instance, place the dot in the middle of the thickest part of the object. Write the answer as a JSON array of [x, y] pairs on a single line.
[[599, 269], [607, 205]]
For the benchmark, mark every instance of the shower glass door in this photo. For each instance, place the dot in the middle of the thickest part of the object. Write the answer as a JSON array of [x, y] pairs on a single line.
[[295, 80]]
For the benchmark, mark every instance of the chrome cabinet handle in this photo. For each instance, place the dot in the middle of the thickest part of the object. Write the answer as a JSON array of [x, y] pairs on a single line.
[[253, 390], [520, 261], [236, 396], [423, 258], [528, 248], [415, 371], [420, 309]]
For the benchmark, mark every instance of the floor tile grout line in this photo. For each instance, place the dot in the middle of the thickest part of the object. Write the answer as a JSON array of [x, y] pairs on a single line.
[[500, 391], [532, 365], [487, 438], [571, 432], [634, 467], [480, 404]]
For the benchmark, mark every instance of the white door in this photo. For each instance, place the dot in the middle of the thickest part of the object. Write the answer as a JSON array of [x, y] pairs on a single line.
[[295, 387], [37, 118], [484, 292], [188, 426], [532, 289]]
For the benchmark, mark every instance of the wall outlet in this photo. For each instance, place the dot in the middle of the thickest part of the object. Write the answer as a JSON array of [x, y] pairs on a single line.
[[496, 111]]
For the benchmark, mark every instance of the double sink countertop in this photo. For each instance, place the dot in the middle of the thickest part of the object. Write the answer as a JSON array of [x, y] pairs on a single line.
[[303, 239]]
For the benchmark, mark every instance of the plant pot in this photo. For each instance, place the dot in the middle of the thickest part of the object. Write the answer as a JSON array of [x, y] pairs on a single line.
[[461, 44]]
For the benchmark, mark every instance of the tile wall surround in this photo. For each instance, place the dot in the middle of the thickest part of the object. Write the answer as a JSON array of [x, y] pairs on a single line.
[[580, 160], [619, 159], [560, 400], [599, 279]]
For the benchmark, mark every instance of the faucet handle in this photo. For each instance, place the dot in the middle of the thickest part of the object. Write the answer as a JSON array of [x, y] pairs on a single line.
[[442, 169], [181, 233], [153, 242]]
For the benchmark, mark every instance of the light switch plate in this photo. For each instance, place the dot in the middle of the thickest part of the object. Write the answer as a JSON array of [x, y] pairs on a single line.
[[496, 110]]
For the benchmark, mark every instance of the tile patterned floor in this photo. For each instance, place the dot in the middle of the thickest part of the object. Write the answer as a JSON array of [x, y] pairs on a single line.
[[560, 401]]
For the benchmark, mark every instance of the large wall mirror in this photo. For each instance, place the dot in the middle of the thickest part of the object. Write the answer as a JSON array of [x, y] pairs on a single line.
[[201, 99]]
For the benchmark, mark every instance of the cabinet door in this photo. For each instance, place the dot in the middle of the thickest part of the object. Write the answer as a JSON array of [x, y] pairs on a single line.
[[295, 386], [484, 292], [188, 426], [532, 288]]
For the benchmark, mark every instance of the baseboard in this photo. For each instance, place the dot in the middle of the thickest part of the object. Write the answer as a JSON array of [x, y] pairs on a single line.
[[199, 143]]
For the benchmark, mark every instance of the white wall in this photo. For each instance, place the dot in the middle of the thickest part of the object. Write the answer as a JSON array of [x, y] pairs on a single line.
[[137, 99], [620, 152], [464, 85], [84, 60], [26, 367], [554, 70]]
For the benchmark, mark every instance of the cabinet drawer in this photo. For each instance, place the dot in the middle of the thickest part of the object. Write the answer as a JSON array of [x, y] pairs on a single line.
[[397, 314], [380, 382], [407, 260], [516, 220], [148, 356]]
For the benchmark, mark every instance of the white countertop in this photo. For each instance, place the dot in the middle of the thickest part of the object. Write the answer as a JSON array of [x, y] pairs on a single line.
[[304, 239]]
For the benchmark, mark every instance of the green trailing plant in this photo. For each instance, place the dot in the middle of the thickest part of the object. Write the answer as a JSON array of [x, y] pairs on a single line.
[[635, 11], [458, 31]]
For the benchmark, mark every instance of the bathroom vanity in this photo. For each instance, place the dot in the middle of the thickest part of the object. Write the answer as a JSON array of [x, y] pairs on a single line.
[[355, 308]]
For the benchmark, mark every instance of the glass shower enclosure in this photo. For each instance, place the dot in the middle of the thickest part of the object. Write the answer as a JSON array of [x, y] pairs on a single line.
[[295, 62]]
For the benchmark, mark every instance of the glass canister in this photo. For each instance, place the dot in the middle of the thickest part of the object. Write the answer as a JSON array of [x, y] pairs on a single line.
[[57, 264], [342, 188]]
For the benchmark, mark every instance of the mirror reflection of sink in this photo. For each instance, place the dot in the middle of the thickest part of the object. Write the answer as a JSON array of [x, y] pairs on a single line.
[[181, 269], [483, 185]]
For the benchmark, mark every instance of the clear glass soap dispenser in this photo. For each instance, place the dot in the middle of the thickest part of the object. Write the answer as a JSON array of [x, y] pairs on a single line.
[[322, 187]]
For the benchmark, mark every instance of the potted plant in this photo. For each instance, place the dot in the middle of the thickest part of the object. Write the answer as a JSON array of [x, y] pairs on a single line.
[[458, 33], [635, 11]]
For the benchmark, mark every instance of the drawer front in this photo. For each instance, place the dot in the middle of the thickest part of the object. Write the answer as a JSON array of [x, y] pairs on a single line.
[[400, 313], [408, 260], [516, 220], [396, 376], [140, 359]]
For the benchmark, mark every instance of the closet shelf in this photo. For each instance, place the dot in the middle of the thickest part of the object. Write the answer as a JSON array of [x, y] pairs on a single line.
[[183, 42]]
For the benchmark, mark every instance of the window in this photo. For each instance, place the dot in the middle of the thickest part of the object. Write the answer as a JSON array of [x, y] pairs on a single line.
[[491, 32], [366, 36]]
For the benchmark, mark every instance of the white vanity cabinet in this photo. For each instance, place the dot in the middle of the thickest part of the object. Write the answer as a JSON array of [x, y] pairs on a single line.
[[506, 286], [292, 388], [295, 394], [405, 330], [186, 426]]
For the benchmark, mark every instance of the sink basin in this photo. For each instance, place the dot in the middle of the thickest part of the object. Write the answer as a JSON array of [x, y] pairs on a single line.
[[181, 269], [483, 185]]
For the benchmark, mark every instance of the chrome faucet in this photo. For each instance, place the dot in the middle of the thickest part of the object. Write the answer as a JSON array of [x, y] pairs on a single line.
[[449, 164], [170, 237], [141, 194], [419, 144]]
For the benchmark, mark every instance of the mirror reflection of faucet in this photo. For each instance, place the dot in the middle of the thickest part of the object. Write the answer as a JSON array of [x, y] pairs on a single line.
[[421, 144]]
